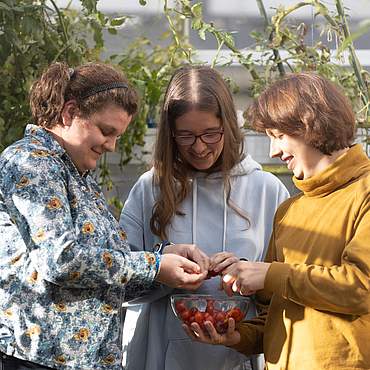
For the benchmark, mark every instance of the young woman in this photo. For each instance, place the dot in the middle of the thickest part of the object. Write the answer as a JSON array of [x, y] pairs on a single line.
[[316, 276], [203, 191], [64, 261]]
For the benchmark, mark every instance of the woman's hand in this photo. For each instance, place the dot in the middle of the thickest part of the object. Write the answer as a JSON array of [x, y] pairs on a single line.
[[191, 252], [244, 277], [210, 335], [179, 272], [220, 261]]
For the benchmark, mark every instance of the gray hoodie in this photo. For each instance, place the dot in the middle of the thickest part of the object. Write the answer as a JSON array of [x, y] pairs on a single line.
[[153, 337]]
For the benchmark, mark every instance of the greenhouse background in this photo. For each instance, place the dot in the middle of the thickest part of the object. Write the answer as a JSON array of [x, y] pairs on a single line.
[[241, 18]]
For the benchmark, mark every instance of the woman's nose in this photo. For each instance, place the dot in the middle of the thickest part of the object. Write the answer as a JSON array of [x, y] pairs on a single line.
[[198, 145], [110, 144], [274, 148]]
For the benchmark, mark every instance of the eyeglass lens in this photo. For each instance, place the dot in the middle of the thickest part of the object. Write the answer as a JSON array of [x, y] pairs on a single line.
[[207, 138]]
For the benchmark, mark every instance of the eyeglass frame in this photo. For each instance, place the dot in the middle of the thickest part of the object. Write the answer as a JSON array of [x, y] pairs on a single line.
[[220, 132]]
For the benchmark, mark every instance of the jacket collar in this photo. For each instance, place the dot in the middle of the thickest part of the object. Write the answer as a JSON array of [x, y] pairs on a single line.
[[45, 138]]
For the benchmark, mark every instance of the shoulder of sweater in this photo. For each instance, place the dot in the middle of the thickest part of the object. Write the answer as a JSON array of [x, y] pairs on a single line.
[[284, 206], [360, 189], [143, 183], [269, 180], [146, 176]]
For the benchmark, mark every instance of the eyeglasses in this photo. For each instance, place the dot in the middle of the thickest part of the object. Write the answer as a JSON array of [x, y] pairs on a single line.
[[206, 138]]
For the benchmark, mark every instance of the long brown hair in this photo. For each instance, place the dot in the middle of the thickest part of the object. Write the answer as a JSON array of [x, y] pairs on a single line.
[[191, 88], [59, 84], [306, 105]]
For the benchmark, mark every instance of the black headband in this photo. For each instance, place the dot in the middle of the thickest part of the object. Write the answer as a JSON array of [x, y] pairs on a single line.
[[105, 87]]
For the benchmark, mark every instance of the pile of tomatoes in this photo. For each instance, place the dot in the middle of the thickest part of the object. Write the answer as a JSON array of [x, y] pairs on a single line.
[[218, 318]]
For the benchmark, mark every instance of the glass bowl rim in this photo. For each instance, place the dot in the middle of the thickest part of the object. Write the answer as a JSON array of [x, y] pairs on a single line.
[[210, 297]]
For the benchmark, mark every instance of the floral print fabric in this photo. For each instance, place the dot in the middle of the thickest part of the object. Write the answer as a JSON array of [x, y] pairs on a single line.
[[64, 261]]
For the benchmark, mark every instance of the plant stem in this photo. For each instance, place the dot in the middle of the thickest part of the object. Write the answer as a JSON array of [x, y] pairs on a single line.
[[174, 31], [353, 57], [277, 57], [60, 20]]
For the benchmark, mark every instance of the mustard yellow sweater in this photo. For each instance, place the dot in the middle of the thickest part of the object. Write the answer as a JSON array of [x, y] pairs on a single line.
[[317, 286]]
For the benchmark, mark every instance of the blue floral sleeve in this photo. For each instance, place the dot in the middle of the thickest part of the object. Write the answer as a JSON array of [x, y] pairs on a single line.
[[69, 242]]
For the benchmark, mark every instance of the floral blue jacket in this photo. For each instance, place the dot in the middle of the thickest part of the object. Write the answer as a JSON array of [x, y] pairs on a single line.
[[64, 262]]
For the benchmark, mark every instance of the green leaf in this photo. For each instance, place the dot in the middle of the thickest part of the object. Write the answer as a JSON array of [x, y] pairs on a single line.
[[142, 2], [90, 5], [202, 33], [4, 6], [196, 9], [112, 31], [363, 29], [102, 18], [229, 40], [197, 24], [118, 21]]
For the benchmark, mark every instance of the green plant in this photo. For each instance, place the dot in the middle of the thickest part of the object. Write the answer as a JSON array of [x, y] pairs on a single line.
[[35, 34], [283, 46], [32, 35], [149, 68]]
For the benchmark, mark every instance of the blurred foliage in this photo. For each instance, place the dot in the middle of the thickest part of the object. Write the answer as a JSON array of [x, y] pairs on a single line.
[[34, 34], [284, 46]]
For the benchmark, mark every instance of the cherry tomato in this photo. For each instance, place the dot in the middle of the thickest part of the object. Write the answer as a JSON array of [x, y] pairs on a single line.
[[220, 316], [212, 274], [191, 319], [180, 306], [221, 322], [210, 306], [236, 314], [185, 315], [209, 317], [193, 311], [199, 318]]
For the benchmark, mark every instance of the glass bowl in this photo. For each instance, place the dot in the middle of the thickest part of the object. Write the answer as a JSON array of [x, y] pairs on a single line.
[[198, 308]]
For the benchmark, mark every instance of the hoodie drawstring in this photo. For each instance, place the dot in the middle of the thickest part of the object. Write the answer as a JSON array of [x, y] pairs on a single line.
[[225, 220], [195, 201]]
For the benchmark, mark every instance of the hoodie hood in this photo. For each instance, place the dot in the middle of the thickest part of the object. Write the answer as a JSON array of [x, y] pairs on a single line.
[[245, 167]]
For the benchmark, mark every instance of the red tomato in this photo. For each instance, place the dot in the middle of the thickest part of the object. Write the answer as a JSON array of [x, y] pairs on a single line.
[[209, 317], [185, 315], [199, 318], [180, 306], [236, 314], [220, 316], [191, 319], [212, 274], [210, 306], [221, 322], [193, 310]]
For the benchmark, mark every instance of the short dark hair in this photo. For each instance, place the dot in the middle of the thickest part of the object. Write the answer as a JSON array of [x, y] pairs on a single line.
[[309, 106], [59, 84]]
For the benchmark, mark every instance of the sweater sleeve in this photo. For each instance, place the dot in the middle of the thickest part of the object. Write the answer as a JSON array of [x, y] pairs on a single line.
[[343, 288], [252, 331]]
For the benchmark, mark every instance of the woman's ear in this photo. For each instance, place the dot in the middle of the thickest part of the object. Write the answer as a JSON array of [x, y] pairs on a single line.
[[69, 111]]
